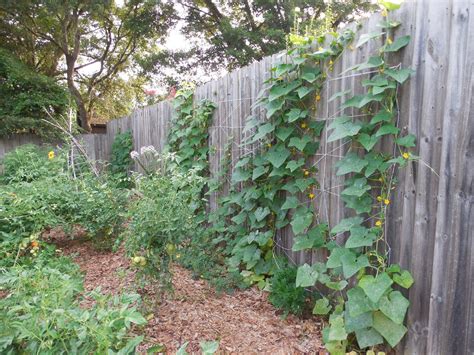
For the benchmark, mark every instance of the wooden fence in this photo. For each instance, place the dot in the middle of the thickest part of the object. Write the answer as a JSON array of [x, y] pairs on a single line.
[[431, 218]]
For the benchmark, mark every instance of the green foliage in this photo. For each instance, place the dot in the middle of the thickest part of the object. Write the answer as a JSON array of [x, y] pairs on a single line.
[[284, 294], [42, 314], [120, 160], [25, 96], [161, 218], [41, 194], [28, 163]]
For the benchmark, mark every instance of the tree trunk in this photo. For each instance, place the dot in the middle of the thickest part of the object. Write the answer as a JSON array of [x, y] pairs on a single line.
[[83, 118]]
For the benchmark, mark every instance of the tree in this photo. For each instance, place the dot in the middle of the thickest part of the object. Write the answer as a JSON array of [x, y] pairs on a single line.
[[76, 35], [234, 33], [24, 97]]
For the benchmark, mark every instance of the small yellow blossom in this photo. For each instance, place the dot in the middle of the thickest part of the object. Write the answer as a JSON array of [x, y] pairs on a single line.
[[269, 145], [351, 47], [381, 70], [311, 195], [379, 198], [406, 155], [318, 97], [306, 173], [303, 125], [331, 62], [378, 223], [386, 201], [381, 179], [384, 13], [389, 41], [51, 155], [321, 49]]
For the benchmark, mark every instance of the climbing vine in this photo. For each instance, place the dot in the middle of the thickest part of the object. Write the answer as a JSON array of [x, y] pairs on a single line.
[[272, 189]]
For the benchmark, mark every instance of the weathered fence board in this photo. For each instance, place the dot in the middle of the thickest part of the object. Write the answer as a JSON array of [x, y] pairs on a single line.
[[431, 218]]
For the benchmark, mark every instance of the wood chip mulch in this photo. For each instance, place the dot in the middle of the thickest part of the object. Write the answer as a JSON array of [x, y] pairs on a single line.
[[244, 322]]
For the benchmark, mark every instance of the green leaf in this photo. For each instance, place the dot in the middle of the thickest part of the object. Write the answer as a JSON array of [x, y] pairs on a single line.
[[303, 184], [404, 279], [351, 264], [301, 221], [295, 164], [306, 276], [277, 155], [373, 62], [351, 163], [309, 77], [283, 68], [387, 129], [299, 143], [182, 349], [407, 141], [291, 202], [240, 175], [209, 347], [283, 133], [397, 44], [242, 162], [360, 237], [368, 338], [273, 106], [303, 91], [278, 91], [322, 306], [375, 287], [391, 5], [394, 306], [357, 302], [315, 238], [361, 204], [263, 131], [362, 321], [382, 116], [259, 171], [261, 212], [334, 259], [400, 75], [367, 141], [347, 224], [391, 331], [360, 101], [364, 38], [337, 330], [295, 114], [240, 218], [343, 127], [357, 188], [388, 24]]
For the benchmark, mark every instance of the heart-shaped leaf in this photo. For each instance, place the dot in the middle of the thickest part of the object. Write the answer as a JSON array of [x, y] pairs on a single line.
[[375, 287], [394, 306], [277, 155]]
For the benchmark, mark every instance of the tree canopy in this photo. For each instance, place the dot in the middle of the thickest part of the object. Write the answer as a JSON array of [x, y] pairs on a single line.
[[24, 97], [86, 43]]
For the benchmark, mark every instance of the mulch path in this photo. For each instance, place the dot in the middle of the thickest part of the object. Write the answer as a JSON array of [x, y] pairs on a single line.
[[244, 322]]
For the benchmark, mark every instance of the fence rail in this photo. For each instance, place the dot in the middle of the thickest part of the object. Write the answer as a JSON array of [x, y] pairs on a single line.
[[431, 219]]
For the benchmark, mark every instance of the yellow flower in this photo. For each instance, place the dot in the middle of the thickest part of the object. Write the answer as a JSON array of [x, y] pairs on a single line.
[[381, 70], [351, 47], [378, 223], [306, 173], [386, 201], [331, 62], [303, 125], [269, 145], [318, 97], [389, 41], [406, 155], [381, 179], [51, 155], [311, 195], [379, 198], [321, 49], [384, 13]]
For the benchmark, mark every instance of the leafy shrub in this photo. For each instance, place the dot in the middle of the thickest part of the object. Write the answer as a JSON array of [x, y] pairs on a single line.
[[120, 160], [24, 97], [161, 217], [30, 162], [41, 313], [284, 294]]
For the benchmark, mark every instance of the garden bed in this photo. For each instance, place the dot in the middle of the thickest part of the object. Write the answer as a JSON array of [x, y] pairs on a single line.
[[244, 322]]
